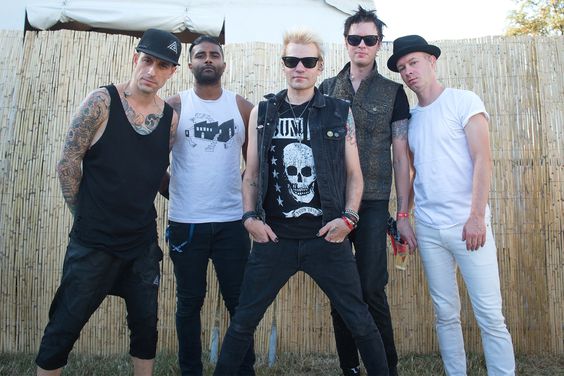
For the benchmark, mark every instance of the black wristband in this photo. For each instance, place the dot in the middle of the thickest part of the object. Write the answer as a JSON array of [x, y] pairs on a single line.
[[249, 214]]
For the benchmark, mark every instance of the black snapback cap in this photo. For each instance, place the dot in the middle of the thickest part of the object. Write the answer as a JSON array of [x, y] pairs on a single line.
[[160, 44]]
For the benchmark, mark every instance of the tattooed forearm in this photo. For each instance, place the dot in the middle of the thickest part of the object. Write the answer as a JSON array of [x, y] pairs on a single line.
[[399, 129], [399, 203], [92, 113], [351, 130]]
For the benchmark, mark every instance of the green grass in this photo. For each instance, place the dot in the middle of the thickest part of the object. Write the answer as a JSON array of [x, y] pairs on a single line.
[[286, 365]]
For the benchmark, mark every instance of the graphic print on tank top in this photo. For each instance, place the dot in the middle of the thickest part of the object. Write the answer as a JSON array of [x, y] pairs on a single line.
[[206, 131], [292, 184]]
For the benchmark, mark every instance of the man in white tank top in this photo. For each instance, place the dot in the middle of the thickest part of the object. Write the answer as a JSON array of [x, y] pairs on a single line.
[[205, 207], [449, 140]]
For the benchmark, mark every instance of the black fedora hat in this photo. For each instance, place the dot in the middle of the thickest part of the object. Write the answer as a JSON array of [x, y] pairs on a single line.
[[160, 44], [408, 44]]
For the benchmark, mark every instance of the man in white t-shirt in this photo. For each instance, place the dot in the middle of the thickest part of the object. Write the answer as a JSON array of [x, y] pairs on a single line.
[[449, 141], [206, 206]]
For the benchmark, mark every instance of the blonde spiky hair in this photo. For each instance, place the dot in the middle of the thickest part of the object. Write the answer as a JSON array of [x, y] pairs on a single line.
[[303, 36]]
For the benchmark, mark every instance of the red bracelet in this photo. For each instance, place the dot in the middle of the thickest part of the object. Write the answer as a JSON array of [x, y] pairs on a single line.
[[402, 215], [348, 222]]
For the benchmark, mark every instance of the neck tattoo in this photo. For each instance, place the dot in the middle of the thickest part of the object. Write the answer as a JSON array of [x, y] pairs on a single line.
[[299, 137], [138, 116]]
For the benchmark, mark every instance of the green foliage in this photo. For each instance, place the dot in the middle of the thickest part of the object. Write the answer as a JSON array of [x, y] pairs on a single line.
[[537, 17]]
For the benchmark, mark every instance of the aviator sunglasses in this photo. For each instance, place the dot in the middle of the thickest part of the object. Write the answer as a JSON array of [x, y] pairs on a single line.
[[369, 40], [292, 61]]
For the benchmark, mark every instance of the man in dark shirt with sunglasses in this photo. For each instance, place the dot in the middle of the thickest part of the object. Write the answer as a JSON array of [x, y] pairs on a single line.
[[301, 191], [381, 112]]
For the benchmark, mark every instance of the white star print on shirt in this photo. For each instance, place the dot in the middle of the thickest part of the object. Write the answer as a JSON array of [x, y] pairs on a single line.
[[277, 187], [274, 160], [275, 174], [280, 201]]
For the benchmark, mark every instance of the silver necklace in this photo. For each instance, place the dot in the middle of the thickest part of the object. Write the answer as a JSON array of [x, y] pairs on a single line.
[[298, 137]]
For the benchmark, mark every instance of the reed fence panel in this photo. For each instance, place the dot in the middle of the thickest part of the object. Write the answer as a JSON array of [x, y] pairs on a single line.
[[46, 75]]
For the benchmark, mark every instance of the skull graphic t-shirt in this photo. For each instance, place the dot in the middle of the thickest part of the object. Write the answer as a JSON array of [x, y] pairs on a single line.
[[292, 204]]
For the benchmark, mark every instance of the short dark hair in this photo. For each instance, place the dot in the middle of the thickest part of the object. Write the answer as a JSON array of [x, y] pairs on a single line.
[[202, 39], [363, 15]]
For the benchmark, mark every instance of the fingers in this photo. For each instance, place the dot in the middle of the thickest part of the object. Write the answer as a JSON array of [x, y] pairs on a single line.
[[335, 231], [270, 234]]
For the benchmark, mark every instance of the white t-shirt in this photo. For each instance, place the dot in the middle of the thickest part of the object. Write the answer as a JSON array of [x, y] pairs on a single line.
[[205, 182], [443, 165]]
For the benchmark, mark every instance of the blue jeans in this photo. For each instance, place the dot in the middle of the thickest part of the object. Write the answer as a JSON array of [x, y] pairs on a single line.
[[332, 267], [89, 275], [191, 246], [369, 241]]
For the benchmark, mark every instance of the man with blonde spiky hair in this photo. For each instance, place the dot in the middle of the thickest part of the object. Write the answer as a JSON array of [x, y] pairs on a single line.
[[301, 192]]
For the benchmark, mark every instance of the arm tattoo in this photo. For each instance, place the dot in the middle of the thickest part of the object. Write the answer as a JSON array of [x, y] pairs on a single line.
[[399, 129], [351, 130], [175, 103], [141, 123], [91, 114], [253, 184], [399, 202]]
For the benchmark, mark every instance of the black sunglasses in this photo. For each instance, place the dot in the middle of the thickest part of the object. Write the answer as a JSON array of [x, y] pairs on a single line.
[[292, 61], [369, 40]]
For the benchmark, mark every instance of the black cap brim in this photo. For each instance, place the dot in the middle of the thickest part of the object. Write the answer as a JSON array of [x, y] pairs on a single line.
[[158, 56], [430, 49]]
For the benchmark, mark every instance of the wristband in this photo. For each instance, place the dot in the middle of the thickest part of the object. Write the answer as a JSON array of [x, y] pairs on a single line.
[[352, 215], [402, 215], [249, 214], [350, 224]]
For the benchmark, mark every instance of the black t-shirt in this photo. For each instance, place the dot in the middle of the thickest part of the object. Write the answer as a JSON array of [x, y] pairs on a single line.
[[401, 106], [292, 204]]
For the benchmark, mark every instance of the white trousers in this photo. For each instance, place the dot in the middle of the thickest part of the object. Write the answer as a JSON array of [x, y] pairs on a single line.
[[442, 251]]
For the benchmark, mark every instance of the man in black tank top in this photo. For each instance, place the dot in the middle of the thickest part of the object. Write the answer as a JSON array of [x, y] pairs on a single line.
[[114, 157]]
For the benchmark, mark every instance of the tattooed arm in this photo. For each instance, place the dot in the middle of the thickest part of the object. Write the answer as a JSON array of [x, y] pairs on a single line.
[[336, 231], [260, 231], [86, 128], [401, 162]]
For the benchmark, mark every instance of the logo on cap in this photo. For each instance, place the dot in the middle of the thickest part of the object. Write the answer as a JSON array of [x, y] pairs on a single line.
[[172, 47]]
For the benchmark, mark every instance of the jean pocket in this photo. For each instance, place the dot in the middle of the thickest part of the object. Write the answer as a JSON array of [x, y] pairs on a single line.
[[179, 236]]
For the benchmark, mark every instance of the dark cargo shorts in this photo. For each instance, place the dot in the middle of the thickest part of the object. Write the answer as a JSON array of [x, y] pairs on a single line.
[[89, 275]]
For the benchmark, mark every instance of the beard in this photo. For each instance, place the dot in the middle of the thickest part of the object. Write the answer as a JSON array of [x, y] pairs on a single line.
[[204, 77]]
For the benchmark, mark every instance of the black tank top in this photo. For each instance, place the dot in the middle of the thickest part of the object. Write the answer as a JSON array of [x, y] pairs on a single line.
[[121, 174]]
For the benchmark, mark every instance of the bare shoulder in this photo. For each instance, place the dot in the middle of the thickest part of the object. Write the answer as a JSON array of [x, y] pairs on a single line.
[[244, 106], [175, 102]]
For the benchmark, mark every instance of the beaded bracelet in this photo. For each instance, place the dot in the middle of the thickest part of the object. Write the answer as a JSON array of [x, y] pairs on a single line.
[[402, 215]]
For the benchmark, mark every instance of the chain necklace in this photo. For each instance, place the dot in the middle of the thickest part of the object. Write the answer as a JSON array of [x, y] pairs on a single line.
[[299, 137]]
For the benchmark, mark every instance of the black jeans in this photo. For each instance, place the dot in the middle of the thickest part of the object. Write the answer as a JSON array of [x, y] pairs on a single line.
[[89, 275], [332, 267], [227, 244], [369, 241]]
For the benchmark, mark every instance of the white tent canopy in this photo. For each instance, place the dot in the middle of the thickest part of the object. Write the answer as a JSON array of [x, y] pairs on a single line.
[[245, 20]]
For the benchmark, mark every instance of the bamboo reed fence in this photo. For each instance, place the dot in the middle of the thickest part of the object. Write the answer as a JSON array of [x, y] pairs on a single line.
[[45, 75]]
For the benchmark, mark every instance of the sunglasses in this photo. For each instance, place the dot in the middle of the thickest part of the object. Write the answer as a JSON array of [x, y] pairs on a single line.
[[292, 61], [369, 40]]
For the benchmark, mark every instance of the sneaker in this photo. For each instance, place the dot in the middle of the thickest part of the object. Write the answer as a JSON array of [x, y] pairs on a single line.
[[355, 371]]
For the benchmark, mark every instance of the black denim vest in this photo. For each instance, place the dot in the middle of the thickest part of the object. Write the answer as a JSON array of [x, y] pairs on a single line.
[[372, 107], [327, 125]]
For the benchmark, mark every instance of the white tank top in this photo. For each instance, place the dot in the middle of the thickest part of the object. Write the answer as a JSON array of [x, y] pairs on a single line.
[[205, 182]]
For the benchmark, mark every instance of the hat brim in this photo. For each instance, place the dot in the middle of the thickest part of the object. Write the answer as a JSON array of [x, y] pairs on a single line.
[[429, 48], [158, 56]]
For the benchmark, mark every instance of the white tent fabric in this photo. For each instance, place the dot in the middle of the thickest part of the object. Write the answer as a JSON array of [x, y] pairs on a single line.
[[202, 17]]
